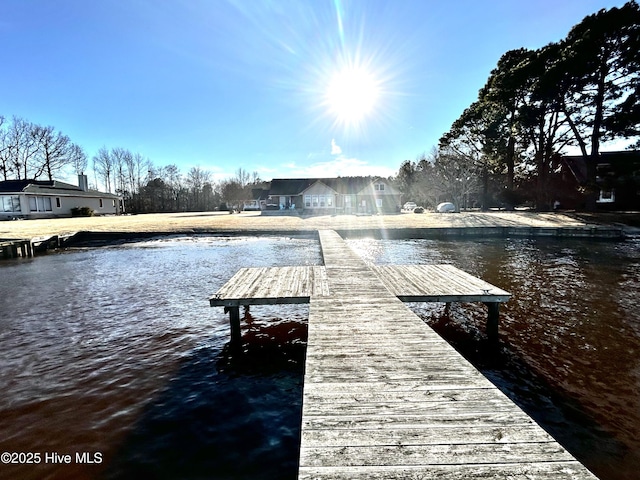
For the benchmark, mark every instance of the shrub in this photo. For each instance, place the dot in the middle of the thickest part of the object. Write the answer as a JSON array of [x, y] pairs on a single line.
[[418, 210], [82, 212]]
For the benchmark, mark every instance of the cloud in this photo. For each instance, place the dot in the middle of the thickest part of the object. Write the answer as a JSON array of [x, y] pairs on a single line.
[[335, 149]]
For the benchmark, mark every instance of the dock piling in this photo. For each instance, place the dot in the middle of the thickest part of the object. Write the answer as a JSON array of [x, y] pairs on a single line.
[[234, 323], [493, 319]]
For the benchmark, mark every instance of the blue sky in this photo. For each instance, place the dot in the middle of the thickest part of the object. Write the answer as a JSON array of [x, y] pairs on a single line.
[[228, 84]]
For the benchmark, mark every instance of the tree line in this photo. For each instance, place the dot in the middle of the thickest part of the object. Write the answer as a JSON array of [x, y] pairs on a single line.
[[29, 151], [147, 188], [579, 92]]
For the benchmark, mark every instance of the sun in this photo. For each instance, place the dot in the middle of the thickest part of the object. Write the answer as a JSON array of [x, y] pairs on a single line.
[[352, 94]]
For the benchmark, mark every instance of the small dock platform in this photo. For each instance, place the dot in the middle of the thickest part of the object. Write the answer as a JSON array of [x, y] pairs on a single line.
[[15, 248], [271, 286], [385, 397]]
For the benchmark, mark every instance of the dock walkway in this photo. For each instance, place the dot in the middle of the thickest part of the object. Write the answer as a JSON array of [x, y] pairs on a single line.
[[385, 397]]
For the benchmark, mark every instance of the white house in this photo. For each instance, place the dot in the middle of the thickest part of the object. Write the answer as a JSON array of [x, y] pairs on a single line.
[[51, 198], [333, 195]]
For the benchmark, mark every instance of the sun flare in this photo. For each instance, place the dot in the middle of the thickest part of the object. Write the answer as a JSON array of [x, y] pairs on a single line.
[[352, 94]]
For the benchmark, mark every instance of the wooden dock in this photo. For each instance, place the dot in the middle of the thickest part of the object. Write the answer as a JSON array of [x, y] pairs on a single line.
[[15, 248], [385, 397]]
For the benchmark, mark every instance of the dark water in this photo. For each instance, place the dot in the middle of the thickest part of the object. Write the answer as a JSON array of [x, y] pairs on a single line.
[[115, 351]]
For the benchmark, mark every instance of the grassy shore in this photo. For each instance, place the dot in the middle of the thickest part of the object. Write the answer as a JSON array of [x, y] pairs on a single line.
[[253, 222]]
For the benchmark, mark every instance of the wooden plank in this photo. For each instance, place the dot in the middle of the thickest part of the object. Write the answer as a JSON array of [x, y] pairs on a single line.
[[568, 470], [427, 409], [348, 425], [434, 454], [423, 434]]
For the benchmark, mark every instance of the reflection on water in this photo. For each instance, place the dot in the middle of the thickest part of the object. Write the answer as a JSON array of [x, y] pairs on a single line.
[[570, 335], [116, 350]]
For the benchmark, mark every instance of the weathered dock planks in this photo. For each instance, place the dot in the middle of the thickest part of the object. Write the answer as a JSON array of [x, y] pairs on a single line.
[[437, 283], [386, 398], [410, 283], [269, 286]]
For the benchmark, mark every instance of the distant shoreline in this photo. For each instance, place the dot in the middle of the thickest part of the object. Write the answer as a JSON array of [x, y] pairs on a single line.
[[489, 224]]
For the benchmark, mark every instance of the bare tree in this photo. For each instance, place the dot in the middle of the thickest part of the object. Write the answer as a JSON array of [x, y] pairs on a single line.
[[77, 158], [53, 150], [21, 146], [196, 179], [4, 151], [242, 177], [121, 158], [103, 165], [176, 184]]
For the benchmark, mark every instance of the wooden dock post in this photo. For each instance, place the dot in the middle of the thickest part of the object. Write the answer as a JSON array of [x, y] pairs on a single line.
[[493, 318], [234, 322]]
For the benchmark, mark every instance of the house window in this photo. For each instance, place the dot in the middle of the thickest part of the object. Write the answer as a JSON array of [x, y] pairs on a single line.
[[40, 204], [100, 203], [113, 203], [347, 201], [318, 201], [379, 202], [379, 187], [57, 202], [607, 195], [10, 203]]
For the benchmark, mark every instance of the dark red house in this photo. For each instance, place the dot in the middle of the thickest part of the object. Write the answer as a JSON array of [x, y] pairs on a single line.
[[617, 180]]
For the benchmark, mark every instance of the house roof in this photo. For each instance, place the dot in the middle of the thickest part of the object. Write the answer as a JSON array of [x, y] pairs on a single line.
[[341, 185], [290, 186], [49, 187], [618, 163], [259, 193]]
